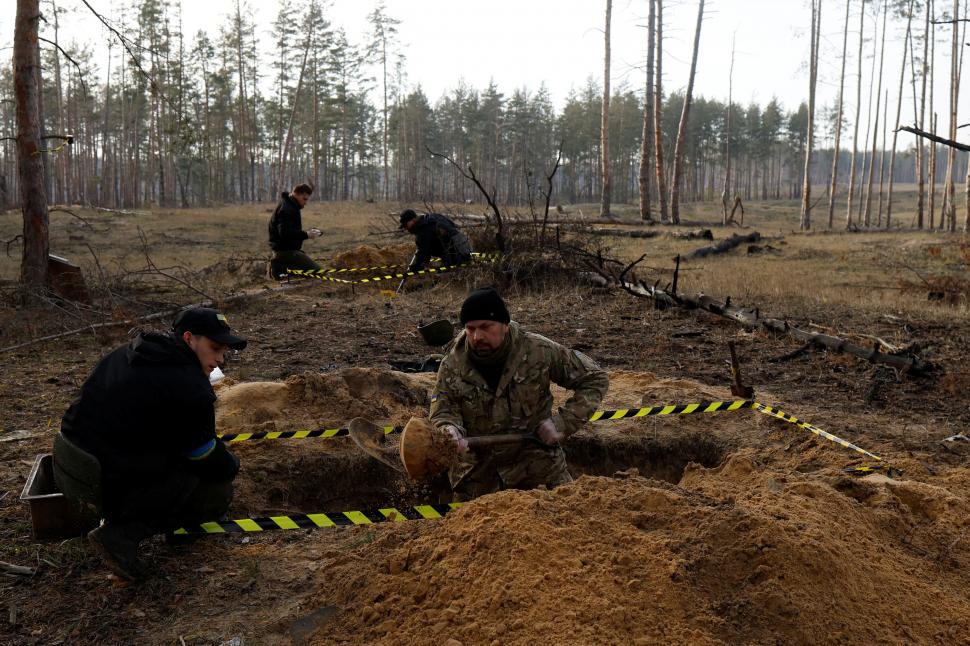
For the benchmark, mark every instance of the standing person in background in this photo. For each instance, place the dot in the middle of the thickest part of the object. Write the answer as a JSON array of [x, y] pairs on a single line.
[[286, 234]]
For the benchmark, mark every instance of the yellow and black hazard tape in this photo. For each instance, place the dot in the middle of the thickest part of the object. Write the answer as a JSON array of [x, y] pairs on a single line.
[[622, 413], [324, 274], [350, 270], [671, 409], [316, 521], [301, 434]]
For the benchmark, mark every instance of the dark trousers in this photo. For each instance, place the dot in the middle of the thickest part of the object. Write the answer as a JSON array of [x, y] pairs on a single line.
[[296, 259], [179, 500]]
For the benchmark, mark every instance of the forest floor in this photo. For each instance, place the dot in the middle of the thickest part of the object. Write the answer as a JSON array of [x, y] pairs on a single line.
[[698, 529]]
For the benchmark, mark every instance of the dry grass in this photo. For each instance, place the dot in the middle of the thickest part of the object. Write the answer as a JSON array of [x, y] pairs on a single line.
[[879, 272]]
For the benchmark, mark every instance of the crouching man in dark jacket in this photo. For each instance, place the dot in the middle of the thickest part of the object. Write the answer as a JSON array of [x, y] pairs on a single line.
[[147, 413]]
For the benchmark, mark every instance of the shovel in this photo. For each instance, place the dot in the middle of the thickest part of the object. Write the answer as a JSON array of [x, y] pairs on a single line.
[[423, 453], [401, 285], [372, 440]]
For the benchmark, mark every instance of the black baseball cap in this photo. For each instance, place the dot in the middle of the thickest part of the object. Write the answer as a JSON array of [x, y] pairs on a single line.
[[210, 323], [406, 216]]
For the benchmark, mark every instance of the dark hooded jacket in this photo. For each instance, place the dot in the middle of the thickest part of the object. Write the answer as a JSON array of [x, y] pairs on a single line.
[[286, 226], [436, 235], [148, 410]]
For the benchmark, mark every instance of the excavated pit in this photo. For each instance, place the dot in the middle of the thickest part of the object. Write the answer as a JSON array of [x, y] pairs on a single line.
[[322, 475]]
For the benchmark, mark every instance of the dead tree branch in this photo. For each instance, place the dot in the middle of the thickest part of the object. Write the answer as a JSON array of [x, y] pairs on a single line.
[[489, 197], [61, 209], [155, 269], [936, 138], [751, 319], [548, 193]]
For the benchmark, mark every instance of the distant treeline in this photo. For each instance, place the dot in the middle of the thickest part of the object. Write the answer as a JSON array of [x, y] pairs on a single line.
[[189, 121]]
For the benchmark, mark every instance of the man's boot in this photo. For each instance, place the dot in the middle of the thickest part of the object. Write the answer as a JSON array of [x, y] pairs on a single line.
[[118, 546]]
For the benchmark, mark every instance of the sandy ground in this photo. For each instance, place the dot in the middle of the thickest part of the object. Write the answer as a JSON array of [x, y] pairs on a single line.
[[718, 528]]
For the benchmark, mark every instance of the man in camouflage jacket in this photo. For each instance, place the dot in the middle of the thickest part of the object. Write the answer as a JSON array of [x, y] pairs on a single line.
[[495, 380]]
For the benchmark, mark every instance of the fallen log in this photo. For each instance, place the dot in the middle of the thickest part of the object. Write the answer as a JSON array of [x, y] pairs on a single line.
[[751, 319], [696, 234], [621, 233], [722, 246]]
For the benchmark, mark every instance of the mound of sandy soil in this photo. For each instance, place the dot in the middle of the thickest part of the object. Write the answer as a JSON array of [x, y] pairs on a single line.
[[370, 256], [737, 528], [316, 400], [733, 555]]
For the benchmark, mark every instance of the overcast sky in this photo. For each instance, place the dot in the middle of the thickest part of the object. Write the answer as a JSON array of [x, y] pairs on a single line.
[[524, 43]]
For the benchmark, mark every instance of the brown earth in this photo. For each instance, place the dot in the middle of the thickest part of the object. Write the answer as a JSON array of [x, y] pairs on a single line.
[[715, 528], [369, 256]]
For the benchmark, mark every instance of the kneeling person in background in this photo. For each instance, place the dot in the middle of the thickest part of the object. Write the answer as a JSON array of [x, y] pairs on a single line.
[[495, 380], [435, 235], [147, 413], [286, 234]]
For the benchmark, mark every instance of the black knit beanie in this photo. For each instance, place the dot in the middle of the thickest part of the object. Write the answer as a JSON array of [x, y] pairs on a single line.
[[484, 304]]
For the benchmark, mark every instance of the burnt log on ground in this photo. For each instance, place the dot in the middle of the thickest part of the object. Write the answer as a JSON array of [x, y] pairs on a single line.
[[621, 233], [722, 246], [751, 319]]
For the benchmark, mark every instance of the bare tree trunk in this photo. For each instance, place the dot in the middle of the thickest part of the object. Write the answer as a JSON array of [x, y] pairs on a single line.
[[289, 126], [858, 112], [899, 110], [33, 197], [806, 215], [875, 130], [882, 156], [866, 162], [605, 117], [725, 193], [647, 143], [932, 204], [682, 129], [658, 118], [833, 182], [920, 145], [949, 190]]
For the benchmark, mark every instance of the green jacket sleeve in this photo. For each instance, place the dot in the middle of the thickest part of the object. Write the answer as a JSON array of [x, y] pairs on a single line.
[[575, 371], [445, 407]]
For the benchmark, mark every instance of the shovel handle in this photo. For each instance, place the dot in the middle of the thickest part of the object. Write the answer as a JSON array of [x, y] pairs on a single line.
[[500, 440]]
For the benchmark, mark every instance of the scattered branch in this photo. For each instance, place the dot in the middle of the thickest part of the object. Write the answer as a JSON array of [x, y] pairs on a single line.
[[932, 137], [17, 569], [80, 72], [489, 197], [61, 209], [155, 269], [12, 240]]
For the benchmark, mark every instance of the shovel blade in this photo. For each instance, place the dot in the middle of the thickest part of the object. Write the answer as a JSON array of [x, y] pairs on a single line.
[[424, 454], [370, 438]]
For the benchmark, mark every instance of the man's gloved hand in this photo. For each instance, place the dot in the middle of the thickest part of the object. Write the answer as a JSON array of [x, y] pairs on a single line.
[[461, 444], [314, 233], [548, 433]]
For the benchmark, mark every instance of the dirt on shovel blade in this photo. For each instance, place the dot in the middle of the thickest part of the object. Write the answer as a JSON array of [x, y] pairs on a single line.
[[425, 452]]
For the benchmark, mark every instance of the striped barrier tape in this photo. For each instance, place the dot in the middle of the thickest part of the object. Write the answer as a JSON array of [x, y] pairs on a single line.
[[375, 279], [348, 270], [324, 274], [301, 434], [314, 521], [610, 415]]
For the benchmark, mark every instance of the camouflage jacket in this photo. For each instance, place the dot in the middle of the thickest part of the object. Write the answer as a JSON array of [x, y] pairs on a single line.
[[522, 400]]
